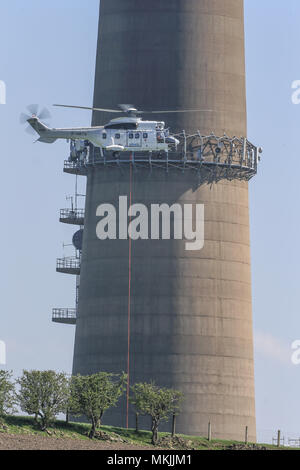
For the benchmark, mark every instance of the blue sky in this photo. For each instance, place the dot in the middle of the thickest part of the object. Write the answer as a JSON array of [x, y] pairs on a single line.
[[47, 55]]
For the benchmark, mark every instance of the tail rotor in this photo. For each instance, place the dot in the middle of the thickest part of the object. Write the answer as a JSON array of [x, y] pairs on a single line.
[[34, 113]]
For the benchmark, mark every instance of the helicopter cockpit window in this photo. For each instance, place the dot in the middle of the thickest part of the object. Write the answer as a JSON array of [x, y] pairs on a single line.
[[117, 136], [160, 137]]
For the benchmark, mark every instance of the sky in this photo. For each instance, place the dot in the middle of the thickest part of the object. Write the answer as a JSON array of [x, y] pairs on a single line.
[[47, 55]]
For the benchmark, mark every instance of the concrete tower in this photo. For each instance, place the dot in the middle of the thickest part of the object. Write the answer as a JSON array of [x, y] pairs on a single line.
[[149, 307]]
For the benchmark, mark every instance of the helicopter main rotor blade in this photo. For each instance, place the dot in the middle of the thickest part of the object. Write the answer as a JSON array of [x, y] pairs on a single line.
[[89, 109], [178, 111], [126, 108]]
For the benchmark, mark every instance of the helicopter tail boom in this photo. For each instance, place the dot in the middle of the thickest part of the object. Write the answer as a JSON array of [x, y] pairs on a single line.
[[41, 129], [49, 136]]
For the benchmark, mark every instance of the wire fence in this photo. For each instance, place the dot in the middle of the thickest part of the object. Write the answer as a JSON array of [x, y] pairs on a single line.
[[286, 438]]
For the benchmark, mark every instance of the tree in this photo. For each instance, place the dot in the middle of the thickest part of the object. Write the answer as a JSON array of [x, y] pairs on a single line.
[[158, 403], [92, 395], [7, 394], [43, 394]]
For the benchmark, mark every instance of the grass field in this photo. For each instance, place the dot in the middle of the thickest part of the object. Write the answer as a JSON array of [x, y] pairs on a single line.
[[19, 425]]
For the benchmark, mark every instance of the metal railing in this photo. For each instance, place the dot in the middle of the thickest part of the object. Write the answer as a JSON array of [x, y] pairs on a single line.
[[64, 315], [294, 442], [213, 157], [72, 216], [68, 264]]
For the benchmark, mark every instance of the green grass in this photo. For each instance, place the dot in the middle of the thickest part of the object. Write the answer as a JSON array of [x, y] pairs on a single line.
[[26, 425]]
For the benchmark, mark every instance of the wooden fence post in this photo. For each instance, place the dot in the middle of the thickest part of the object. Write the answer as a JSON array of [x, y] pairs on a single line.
[[246, 435], [209, 431], [278, 438], [136, 422]]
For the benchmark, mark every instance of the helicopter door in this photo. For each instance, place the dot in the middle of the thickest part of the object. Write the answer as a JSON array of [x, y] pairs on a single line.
[[134, 139]]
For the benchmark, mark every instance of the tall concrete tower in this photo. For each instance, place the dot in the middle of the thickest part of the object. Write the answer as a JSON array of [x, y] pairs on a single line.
[[149, 307]]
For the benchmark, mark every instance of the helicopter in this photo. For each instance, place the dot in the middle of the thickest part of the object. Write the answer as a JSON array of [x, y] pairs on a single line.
[[122, 134]]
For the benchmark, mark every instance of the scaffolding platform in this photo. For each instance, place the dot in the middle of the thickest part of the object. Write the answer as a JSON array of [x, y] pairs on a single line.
[[72, 216], [64, 315], [69, 265], [212, 158]]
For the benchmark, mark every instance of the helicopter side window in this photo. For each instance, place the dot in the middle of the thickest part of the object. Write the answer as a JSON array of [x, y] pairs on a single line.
[[104, 135], [117, 136], [130, 136], [145, 135], [137, 136]]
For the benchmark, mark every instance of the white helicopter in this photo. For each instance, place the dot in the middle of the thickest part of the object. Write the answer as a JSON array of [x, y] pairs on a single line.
[[123, 134]]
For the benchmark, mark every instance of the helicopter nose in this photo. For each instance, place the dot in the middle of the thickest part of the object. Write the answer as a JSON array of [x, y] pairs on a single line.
[[172, 140]]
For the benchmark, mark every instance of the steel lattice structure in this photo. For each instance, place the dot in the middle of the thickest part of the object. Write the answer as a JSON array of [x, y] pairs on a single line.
[[213, 158]]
